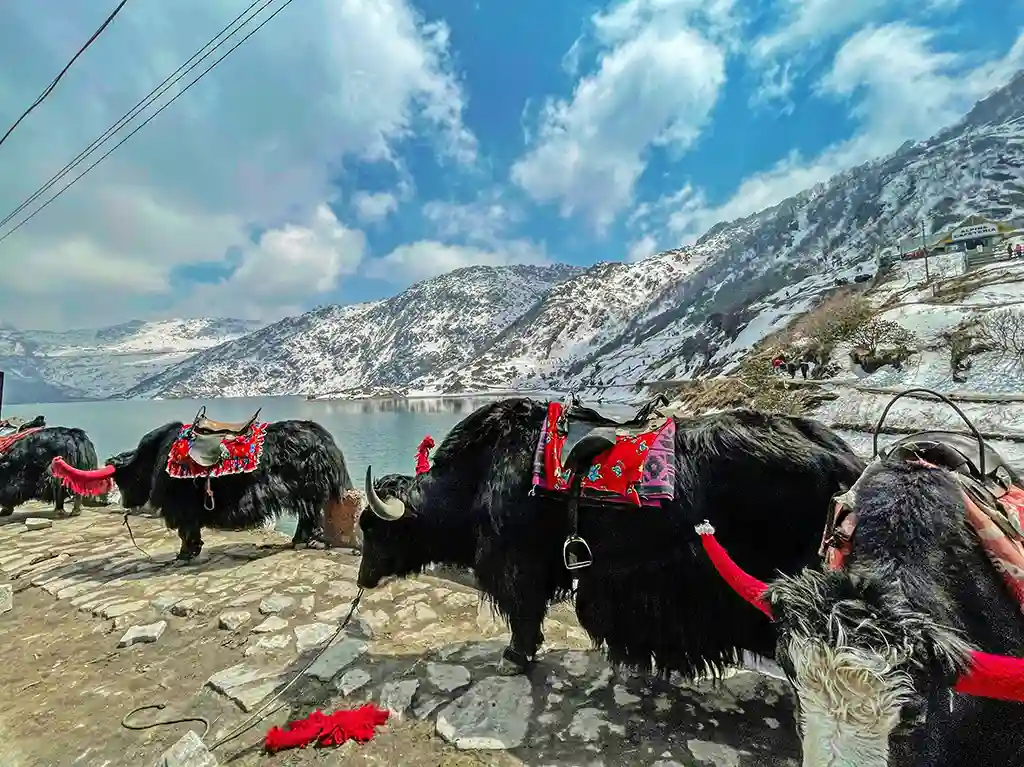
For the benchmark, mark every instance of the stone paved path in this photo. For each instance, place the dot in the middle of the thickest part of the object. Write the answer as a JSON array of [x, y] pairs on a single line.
[[97, 628]]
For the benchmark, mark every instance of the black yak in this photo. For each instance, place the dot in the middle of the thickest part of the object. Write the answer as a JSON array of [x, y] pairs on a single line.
[[278, 468], [650, 595], [25, 458], [906, 649]]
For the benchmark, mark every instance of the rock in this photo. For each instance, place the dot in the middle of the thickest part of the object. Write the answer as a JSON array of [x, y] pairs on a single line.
[[447, 677], [335, 658], [273, 623], [37, 523], [246, 599], [190, 751], [148, 633], [187, 607], [234, 619], [312, 634], [492, 714], [396, 697], [165, 601], [352, 681], [247, 686], [341, 590], [714, 753], [123, 608], [269, 643], [306, 605], [276, 603], [6, 598]]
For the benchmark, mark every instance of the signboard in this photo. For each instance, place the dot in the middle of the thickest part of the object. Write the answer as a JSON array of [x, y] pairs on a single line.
[[973, 232]]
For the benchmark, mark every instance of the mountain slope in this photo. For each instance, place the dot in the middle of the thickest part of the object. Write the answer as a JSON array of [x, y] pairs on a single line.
[[689, 312], [367, 348], [80, 364]]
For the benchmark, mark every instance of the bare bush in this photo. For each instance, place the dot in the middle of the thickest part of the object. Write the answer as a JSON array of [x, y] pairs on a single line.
[[1003, 331], [877, 333]]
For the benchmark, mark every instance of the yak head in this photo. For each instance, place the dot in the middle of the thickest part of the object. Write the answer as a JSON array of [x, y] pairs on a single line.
[[865, 665], [388, 524], [134, 469]]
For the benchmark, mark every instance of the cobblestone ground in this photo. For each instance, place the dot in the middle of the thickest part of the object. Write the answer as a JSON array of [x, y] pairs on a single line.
[[222, 637]]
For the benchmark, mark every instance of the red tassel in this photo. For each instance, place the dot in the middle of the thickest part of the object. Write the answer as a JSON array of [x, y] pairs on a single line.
[[83, 481], [326, 729], [423, 455], [744, 584], [993, 676]]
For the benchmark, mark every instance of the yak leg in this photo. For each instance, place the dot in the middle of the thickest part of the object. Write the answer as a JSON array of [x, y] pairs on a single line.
[[526, 641], [523, 599], [191, 542], [76, 506], [307, 531]]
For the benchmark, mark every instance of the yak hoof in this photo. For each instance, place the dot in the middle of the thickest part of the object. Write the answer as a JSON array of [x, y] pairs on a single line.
[[5, 512], [512, 663]]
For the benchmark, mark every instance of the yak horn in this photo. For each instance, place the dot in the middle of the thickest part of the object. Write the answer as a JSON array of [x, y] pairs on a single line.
[[83, 481], [993, 676], [391, 509], [744, 584]]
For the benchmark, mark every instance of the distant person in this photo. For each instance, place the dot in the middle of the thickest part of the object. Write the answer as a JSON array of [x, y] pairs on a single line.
[[1009, 250], [804, 368], [1019, 249]]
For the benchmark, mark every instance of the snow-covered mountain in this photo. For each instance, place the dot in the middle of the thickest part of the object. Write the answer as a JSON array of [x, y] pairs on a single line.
[[46, 366], [372, 348], [679, 314]]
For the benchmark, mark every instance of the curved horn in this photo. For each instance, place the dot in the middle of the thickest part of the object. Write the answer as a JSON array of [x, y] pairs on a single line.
[[993, 676], [391, 509], [83, 481], [744, 584]]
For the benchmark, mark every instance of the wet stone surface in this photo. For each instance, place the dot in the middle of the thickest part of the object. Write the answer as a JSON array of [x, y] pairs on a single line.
[[254, 624]]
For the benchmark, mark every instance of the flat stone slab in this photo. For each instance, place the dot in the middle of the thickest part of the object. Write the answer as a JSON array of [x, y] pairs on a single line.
[[397, 697], [312, 635], [233, 619], [273, 623], [337, 657], [6, 598], [352, 681], [247, 686], [276, 603], [448, 677], [492, 714], [143, 634], [189, 751], [37, 523]]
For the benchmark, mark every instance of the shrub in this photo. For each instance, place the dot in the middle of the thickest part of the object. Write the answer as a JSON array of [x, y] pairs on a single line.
[[834, 320], [1003, 331], [878, 333]]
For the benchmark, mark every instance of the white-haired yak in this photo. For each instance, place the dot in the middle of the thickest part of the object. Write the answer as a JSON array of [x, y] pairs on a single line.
[[905, 649]]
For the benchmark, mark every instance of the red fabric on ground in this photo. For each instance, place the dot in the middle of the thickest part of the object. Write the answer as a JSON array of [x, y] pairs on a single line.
[[326, 729]]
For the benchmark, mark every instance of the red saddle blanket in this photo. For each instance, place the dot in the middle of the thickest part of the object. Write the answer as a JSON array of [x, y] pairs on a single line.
[[638, 470], [242, 454]]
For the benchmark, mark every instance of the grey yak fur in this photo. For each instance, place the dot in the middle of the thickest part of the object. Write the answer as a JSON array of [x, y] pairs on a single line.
[[25, 467], [651, 595], [301, 471], [918, 580]]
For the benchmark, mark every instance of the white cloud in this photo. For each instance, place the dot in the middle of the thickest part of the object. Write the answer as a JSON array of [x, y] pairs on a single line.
[[422, 260], [642, 248], [901, 87], [374, 207], [256, 144], [486, 220], [656, 82], [286, 268]]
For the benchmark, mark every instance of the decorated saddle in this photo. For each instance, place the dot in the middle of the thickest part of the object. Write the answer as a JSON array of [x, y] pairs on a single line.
[[14, 429], [207, 448], [616, 462]]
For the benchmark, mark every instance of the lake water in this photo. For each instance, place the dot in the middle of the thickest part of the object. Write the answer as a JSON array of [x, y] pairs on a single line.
[[384, 433]]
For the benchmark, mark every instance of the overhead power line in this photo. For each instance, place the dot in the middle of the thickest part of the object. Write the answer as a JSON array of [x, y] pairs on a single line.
[[169, 82], [49, 88]]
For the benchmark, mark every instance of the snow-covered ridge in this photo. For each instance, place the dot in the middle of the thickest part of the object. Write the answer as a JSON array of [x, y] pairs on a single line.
[[105, 361]]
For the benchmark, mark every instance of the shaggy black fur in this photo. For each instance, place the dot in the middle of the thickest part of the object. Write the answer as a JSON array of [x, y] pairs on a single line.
[[25, 467], [651, 595], [918, 581], [302, 470]]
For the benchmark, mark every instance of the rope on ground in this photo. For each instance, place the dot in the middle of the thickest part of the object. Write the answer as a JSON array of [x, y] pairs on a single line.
[[132, 536], [258, 715]]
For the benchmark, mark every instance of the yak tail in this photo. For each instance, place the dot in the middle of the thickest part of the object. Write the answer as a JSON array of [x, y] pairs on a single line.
[[83, 481]]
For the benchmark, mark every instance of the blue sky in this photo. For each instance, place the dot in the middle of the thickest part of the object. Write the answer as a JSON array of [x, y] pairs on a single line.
[[352, 147]]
